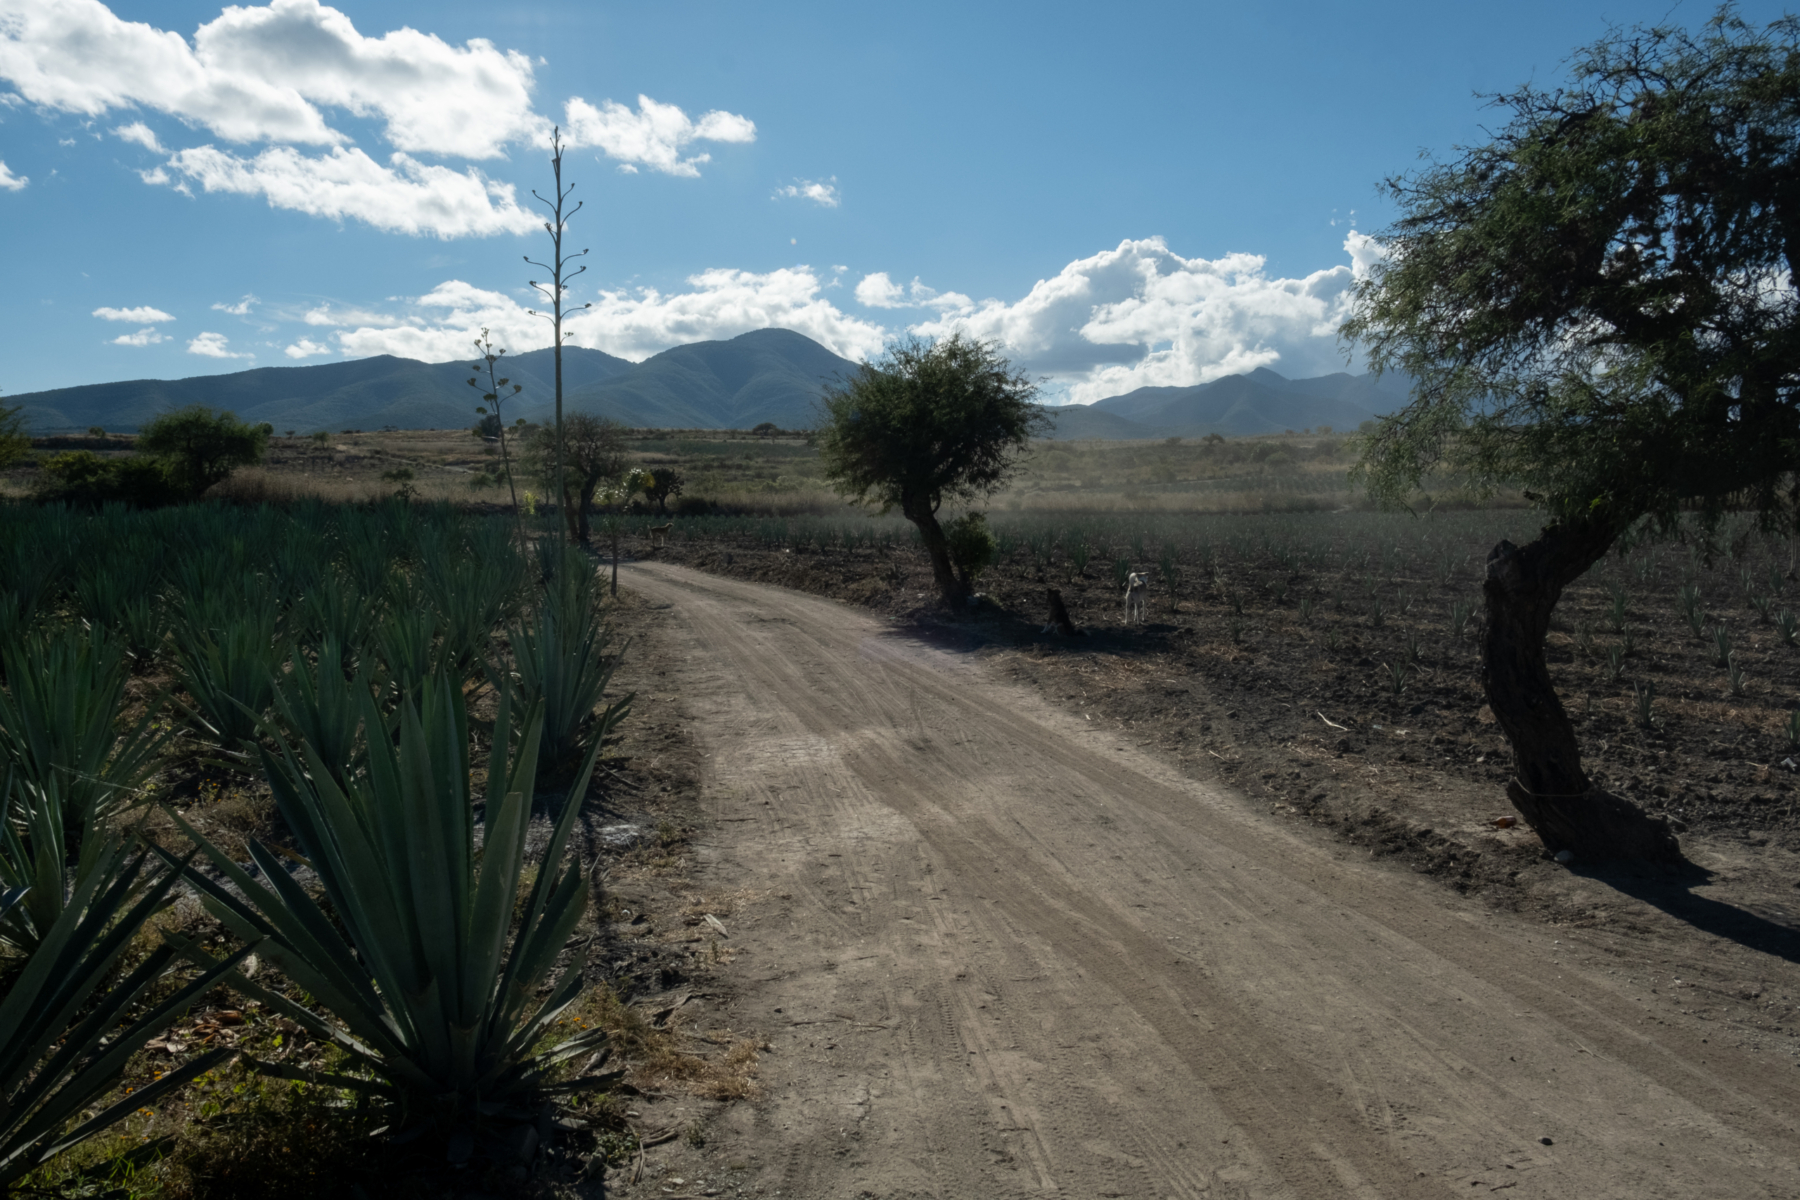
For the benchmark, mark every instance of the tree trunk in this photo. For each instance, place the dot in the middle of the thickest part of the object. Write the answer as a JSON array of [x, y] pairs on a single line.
[[1550, 789], [583, 528], [937, 547], [571, 511]]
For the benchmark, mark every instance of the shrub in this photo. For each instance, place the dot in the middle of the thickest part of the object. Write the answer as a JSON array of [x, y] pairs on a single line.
[[200, 447], [84, 479], [972, 545]]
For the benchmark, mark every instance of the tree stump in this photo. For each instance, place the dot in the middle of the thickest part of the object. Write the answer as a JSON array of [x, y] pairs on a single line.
[[1059, 616]]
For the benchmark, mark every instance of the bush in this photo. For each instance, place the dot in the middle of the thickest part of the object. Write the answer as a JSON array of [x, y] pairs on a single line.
[[200, 447], [84, 479], [694, 506], [972, 545]]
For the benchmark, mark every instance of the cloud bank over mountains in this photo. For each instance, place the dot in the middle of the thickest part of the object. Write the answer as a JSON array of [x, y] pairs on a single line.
[[1135, 316], [1142, 316], [634, 325], [282, 74], [263, 101]]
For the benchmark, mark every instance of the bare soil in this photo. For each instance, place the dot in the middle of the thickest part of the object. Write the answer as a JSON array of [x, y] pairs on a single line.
[[1015, 915]]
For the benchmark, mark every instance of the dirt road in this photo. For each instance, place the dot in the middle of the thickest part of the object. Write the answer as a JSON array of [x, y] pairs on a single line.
[[1000, 952]]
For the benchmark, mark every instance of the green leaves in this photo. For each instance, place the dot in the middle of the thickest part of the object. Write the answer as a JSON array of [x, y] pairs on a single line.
[[429, 986], [1584, 304], [63, 1041], [929, 421], [59, 724], [560, 663]]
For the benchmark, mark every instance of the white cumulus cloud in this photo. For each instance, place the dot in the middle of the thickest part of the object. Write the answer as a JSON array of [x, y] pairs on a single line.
[[326, 315], [717, 304], [141, 134], [282, 73], [268, 73], [306, 348], [824, 193], [10, 182], [879, 291], [137, 316], [407, 197], [147, 336], [214, 345], [240, 309], [654, 136], [1143, 316]]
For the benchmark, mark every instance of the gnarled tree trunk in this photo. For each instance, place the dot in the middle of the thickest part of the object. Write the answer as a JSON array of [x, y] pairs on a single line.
[[1550, 789], [923, 513]]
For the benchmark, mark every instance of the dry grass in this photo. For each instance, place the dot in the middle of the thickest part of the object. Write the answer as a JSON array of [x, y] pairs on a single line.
[[664, 1056]]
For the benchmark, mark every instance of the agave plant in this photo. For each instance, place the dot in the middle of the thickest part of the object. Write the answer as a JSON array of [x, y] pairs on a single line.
[[319, 706], [34, 861], [405, 643], [63, 1041], [470, 593], [230, 672], [333, 608], [429, 987], [59, 724], [559, 659], [119, 593]]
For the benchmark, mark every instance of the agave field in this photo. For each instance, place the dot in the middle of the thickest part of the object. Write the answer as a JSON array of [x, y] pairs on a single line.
[[406, 681], [1678, 658]]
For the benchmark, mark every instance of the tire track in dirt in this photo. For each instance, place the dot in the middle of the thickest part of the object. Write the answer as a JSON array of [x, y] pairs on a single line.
[[1007, 954]]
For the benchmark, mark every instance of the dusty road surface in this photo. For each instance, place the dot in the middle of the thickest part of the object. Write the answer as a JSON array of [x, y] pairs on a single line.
[[997, 951]]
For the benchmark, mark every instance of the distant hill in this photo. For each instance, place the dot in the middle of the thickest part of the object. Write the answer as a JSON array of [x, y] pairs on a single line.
[[766, 375], [366, 393], [1261, 402]]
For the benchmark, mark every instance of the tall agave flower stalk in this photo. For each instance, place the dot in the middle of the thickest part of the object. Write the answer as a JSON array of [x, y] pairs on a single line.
[[430, 988]]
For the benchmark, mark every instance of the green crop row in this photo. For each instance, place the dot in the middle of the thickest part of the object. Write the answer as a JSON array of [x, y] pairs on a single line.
[[330, 652]]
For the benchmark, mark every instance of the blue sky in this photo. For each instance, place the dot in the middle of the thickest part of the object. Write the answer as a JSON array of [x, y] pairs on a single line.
[[1121, 194]]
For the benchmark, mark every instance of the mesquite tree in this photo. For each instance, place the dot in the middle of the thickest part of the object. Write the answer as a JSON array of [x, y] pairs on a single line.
[[555, 289], [1598, 306], [929, 421]]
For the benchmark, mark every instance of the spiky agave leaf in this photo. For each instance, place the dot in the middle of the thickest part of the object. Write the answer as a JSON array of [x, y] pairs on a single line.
[[560, 660], [34, 860], [63, 1041], [59, 727], [431, 989]]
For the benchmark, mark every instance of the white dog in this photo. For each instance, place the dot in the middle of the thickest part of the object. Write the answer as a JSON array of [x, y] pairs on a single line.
[[1137, 591]]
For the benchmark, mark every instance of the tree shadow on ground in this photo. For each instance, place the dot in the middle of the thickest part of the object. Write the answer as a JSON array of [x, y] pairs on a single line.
[[1771, 929]]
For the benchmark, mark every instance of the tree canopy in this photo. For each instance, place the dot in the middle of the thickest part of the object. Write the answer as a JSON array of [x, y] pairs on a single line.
[[928, 422], [1599, 305], [200, 447], [594, 456]]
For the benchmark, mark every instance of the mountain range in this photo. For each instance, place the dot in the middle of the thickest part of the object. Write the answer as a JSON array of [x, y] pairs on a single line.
[[773, 375], [1261, 402]]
